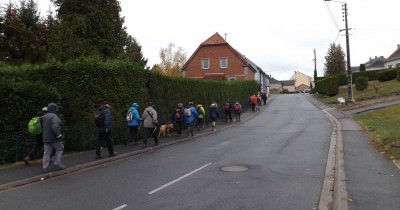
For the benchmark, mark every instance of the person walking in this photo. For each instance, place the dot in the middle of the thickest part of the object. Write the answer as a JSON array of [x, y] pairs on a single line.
[[237, 108], [52, 139], [200, 118], [253, 102], [213, 115], [178, 117], [190, 117], [133, 118], [103, 124], [228, 110], [38, 138], [150, 123]]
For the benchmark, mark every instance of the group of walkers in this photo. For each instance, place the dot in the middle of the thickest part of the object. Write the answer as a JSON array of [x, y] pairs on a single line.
[[257, 100], [49, 136]]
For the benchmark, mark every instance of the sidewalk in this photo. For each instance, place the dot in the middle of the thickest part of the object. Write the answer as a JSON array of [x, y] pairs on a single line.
[[19, 174]]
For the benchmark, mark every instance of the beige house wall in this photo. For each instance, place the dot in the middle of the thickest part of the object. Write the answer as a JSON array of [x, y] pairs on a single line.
[[300, 79]]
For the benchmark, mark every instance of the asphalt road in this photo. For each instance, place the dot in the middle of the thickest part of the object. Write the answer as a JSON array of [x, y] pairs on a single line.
[[282, 151]]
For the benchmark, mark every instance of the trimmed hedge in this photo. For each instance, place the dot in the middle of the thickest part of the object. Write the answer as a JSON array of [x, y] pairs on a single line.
[[387, 75], [328, 86], [80, 86]]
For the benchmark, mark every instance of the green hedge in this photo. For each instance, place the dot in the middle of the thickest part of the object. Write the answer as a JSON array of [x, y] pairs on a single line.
[[328, 86], [361, 83], [387, 75], [80, 86]]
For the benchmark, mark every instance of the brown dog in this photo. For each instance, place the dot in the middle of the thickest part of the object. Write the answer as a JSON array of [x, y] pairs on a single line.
[[165, 129]]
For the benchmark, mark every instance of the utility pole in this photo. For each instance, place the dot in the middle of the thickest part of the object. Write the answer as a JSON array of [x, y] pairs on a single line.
[[315, 65], [350, 97], [349, 74]]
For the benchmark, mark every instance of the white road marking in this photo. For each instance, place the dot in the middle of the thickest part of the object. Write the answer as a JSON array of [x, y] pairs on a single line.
[[178, 179], [121, 207]]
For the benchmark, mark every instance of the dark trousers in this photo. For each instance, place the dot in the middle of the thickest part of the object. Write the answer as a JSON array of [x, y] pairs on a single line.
[[237, 116], [132, 134], [147, 132], [104, 137], [179, 128], [253, 107], [35, 148], [199, 123], [228, 114]]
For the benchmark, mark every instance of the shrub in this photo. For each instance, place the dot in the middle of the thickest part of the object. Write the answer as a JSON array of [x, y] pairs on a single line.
[[361, 83], [398, 75], [387, 75], [328, 86]]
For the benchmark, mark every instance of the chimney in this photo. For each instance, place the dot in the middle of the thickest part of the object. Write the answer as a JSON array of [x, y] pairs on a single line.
[[225, 37], [398, 46]]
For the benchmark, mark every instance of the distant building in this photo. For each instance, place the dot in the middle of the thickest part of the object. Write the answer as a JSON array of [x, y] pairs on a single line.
[[302, 82], [216, 59], [376, 63], [289, 85], [393, 61]]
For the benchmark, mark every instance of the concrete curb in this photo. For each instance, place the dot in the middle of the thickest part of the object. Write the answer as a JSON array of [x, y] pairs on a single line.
[[333, 192], [108, 161]]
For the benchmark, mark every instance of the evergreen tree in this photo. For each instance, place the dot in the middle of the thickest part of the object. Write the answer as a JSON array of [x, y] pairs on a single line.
[[92, 27], [335, 63], [23, 34]]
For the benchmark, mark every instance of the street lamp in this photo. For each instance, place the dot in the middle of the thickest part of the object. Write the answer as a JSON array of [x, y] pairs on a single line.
[[349, 75]]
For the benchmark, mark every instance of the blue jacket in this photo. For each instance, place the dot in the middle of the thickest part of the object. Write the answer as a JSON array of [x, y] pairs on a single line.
[[193, 115], [214, 112], [135, 115]]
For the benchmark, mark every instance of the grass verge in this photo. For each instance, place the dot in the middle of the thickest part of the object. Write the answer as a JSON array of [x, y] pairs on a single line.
[[383, 126]]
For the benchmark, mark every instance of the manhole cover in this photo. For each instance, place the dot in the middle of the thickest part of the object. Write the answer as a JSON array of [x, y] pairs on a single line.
[[234, 168]]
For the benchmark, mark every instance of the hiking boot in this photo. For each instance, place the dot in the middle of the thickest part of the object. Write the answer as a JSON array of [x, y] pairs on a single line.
[[26, 160], [59, 167], [112, 154], [98, 156], [45, 170]]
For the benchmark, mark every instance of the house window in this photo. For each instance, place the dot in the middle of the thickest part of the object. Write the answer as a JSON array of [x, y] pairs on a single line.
[[231, 78], [223, 63], [205, 63]]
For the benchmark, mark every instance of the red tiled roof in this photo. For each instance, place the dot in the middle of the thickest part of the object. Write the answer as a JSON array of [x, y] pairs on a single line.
[[214, 39]]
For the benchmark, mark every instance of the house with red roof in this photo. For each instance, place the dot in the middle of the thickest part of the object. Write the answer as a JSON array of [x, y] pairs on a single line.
[[393, 61], [216, 59]]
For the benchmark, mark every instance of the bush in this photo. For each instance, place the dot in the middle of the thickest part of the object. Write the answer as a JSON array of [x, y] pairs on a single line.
[[361, 83], [398, 75], [328, 86], [387, 75]]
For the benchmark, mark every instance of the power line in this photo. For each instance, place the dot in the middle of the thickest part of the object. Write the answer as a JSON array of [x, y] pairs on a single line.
[[332, 16]]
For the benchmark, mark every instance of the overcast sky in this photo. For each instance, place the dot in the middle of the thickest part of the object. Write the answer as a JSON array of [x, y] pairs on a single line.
[[279, 36]]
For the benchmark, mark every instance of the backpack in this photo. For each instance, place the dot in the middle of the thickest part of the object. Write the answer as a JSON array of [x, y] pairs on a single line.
[[227, 106], [99, 119], [35, 126], [188, 112], [178, 114], [129, 116], [236, 108]]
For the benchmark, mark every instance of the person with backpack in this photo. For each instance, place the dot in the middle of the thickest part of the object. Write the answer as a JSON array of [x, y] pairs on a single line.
[[237, 108], [52, 138], [178, 117], [35, 128], [103, 123], [200, 119], [190, 117], [150, 123], [133, 118], [228, 108], [213, 115]]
